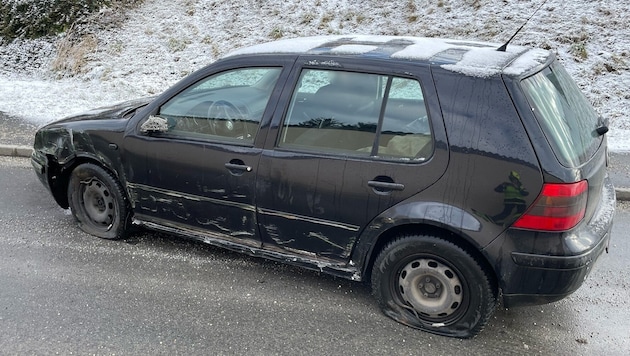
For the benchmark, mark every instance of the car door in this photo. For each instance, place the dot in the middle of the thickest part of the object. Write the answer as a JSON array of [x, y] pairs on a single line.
[[192, 159], [349, 141]]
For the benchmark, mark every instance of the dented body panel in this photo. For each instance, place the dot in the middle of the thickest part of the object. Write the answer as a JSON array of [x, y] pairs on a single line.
[[187, 183], [95, 136]]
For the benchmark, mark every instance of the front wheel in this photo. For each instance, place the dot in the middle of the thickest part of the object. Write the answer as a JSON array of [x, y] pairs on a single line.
[[98, 202], [431, 284]]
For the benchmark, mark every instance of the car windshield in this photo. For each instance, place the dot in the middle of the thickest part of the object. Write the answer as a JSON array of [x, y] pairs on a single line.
[[565, 115]]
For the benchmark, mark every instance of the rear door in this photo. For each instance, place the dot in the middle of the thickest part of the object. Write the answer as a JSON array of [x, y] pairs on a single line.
[[347, 142]]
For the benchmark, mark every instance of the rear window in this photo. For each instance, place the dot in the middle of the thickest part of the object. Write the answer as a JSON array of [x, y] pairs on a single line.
[[565, 115]]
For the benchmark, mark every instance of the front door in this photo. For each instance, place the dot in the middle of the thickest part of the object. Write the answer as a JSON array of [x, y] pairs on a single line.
[[351, 142], [193, 161]]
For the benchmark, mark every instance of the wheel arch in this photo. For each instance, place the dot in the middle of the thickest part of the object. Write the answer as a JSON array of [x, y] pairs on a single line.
[[59, 175]]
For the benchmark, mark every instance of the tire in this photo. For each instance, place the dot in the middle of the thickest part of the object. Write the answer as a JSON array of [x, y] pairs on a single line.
[[431, 284], [98, 202]]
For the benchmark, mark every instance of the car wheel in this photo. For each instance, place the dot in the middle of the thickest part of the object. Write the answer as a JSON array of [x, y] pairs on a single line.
[[98, 202], [431, 284]]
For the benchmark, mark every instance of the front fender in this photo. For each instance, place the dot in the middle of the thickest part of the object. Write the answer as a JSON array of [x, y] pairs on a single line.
[[60, 149], [56, 143]]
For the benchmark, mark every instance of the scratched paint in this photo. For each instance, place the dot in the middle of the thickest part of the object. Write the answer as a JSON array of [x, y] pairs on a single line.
[[309, 261], [195, 211]]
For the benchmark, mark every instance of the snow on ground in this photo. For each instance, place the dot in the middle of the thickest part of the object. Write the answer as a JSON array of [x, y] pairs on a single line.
[[163, 41]]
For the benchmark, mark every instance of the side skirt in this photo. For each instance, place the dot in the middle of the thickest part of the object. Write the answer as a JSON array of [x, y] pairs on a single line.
[[347, 271]]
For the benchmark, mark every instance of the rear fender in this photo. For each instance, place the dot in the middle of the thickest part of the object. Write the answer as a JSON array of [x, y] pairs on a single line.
[[427, 214]]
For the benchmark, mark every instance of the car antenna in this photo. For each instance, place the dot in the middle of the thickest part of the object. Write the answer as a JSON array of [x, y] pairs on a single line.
[[504, 47]]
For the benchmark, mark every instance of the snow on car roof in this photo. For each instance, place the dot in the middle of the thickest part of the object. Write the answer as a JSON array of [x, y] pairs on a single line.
[[473, 58], [530, 59]]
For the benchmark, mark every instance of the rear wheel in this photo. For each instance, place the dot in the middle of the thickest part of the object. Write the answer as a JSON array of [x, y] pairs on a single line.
[[98, 202], [431, 284]]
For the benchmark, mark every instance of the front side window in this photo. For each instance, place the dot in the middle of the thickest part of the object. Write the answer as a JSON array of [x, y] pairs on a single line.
[[565, 115], [228, 105], [357, 114]]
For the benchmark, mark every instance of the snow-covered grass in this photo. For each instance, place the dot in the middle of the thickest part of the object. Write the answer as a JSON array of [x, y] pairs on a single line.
[[162, 41]]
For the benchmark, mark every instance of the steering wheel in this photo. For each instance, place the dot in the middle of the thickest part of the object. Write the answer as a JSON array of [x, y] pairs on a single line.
[[226, 119]]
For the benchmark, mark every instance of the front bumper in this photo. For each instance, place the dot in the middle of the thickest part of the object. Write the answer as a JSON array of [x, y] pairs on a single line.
[[39, 163], [529, 277]]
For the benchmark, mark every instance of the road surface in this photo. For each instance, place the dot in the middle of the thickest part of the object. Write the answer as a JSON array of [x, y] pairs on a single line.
[[62, 291]]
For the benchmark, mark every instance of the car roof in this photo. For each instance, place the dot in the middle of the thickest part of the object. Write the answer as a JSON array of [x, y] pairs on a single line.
[[473, 58]]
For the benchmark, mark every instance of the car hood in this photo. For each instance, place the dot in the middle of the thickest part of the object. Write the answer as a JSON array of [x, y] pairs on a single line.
[[123, 110]]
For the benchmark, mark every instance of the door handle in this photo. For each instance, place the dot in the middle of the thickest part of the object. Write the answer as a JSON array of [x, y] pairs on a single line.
[[384, 187], [237, 167]]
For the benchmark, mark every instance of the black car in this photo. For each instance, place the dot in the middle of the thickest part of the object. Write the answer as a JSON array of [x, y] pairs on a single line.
[[444, 172]]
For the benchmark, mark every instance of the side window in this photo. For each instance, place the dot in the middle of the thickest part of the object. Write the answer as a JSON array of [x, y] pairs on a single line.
[[227, 105], [333, 111], [406, 132], [341, 112]]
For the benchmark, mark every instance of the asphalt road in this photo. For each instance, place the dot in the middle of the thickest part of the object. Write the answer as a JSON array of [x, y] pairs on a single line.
[[62, 291]]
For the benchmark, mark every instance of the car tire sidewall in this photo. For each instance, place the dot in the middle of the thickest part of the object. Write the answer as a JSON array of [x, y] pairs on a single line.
[[85, 172], [480, 298]]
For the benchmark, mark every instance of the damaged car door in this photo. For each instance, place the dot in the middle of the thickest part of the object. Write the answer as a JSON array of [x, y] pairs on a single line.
[[352, 141], [192, 160]]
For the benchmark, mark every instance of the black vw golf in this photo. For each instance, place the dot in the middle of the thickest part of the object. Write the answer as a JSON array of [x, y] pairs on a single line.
[[445, 173]]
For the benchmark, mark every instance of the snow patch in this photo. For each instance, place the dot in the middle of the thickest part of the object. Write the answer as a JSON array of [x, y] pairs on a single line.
[[527, 61], [154, 124], [619, 140], [43, 101], [422, 49], [292, 45], [353, 49], [481, 62]]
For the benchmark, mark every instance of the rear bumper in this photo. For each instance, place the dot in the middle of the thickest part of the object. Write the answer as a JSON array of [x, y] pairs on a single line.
[[538, 279], [529, 277]]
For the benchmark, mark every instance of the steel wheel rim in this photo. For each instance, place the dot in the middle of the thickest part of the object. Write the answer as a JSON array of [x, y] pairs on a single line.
[[98, 204], [433, 289]]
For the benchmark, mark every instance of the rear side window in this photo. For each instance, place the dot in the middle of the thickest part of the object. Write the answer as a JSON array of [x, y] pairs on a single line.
[[565, 115], [358, 114]]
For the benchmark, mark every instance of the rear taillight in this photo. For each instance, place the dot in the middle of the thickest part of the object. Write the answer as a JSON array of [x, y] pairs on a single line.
[[559, 207]]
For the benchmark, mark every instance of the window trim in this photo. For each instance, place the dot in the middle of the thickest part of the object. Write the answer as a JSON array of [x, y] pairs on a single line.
[[381, 116]]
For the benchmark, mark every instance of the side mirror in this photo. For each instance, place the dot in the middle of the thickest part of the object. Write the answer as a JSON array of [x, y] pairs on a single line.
[[154, 124]]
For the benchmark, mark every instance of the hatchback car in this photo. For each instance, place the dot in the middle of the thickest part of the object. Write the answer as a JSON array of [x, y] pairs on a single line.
[[445, 173]]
